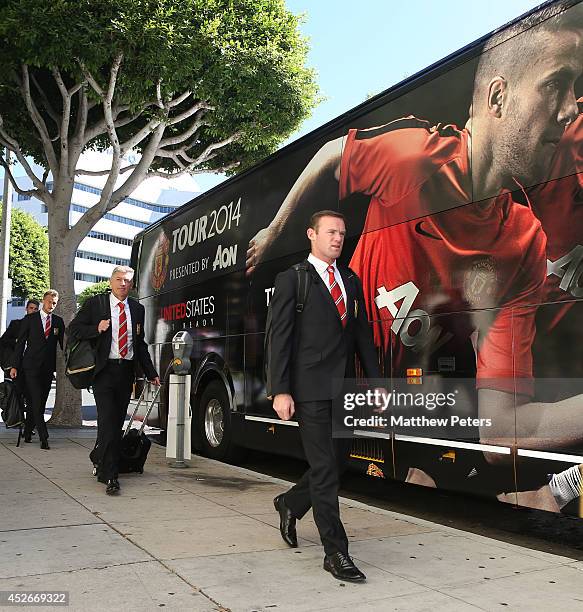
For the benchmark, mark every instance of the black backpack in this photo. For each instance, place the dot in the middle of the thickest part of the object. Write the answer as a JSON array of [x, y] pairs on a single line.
[[304, 278], [81, 355]]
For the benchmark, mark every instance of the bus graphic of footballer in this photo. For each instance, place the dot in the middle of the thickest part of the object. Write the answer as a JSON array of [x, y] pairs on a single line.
[[449, 229]]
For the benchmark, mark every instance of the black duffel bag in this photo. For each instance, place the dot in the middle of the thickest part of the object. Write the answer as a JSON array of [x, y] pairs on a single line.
[[81, 355], [11, 404]]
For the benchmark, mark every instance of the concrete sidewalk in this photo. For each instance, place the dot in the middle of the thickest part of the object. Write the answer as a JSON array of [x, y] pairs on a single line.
[[207, 538]]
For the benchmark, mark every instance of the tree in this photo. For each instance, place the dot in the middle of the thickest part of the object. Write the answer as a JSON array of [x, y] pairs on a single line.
[[187, 85], [28, 264], [95, 289]]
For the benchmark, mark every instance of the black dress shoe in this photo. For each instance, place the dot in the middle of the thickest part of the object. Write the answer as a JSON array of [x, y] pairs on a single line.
[[342, 567], [112, 486], [287, 522], [27, 438], [44, 444]]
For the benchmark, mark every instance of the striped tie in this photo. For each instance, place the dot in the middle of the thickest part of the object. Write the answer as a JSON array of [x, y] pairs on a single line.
[[48, 327], [337, 295], [122, 339]]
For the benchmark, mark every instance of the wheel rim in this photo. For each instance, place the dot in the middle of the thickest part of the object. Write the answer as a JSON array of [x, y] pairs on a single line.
[[214, 423]]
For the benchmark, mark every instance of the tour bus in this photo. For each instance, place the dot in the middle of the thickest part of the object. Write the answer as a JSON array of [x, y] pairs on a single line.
[[462, 194]]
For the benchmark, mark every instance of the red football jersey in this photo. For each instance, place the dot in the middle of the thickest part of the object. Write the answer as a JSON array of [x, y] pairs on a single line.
[[559, 206], [433, 264]]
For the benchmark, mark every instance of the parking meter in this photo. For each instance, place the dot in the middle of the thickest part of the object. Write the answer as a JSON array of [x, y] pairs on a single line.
[[179, 415], [181, 347]]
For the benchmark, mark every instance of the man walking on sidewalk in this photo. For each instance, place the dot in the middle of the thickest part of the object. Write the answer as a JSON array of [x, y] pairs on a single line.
[[309, 351], [118, 327], [36, 355]]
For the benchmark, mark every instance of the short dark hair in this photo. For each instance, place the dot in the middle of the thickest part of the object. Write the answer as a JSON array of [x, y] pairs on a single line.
[[512, 48], [33, 301], [315, 218]]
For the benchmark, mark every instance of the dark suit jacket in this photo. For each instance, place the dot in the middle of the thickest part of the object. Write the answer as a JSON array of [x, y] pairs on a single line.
[[33, 351], [310, 350], [97, 308], [8, 344]]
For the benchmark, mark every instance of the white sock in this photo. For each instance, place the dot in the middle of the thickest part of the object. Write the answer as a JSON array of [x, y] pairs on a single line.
[[566, 486]]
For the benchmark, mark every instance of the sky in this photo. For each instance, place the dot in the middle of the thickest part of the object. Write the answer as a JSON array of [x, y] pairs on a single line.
[[363, 47]]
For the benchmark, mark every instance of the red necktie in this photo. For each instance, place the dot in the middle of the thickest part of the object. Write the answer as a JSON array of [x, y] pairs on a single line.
[[337, 295], [122, 339], [48, 327]]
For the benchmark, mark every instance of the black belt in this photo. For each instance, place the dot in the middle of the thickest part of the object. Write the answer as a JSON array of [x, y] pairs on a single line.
[[119, 361]]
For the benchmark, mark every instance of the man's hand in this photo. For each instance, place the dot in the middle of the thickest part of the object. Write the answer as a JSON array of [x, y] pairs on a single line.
[[103, 325], [283, 404], [262, 240], [13, 372], [155, 381]]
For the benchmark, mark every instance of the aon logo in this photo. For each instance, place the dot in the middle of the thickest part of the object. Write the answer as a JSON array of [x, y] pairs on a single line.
[[568, 268], [413, 327]]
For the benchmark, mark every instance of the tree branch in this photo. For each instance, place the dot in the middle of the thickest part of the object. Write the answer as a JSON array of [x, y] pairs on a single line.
[[188, 133], [38, 121], [189, 170], [24, 192], [65, 121], [50, 110], [103, 172], [179, 100], [13, 145], [189, 112]]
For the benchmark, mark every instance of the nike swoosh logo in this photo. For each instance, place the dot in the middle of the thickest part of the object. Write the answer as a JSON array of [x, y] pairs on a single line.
[[423, 232]]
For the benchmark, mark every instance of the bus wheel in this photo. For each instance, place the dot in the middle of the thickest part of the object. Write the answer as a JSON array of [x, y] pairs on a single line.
[[213, 420]]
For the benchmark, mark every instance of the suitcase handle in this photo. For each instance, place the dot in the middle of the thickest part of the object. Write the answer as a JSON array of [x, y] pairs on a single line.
[[148, 410]]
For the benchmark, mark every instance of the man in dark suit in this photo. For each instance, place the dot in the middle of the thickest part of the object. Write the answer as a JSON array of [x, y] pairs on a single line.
[[10, 336], [117, 324], [309, 351], [35, 354]]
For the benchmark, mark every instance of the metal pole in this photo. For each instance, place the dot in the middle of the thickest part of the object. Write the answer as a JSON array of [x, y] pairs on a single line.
[[180, 414], [5, 285]]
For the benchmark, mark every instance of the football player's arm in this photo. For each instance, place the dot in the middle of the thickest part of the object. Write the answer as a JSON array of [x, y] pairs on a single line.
[[324, 164], [538, 425]]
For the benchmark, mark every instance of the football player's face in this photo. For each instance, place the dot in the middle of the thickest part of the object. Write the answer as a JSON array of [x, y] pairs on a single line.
[[328, 238], [50, 303], [121, 283], [540, 105], [31, 308]]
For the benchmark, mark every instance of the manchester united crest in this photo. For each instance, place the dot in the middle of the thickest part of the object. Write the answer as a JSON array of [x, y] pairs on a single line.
[[481, 283], [160, 266]]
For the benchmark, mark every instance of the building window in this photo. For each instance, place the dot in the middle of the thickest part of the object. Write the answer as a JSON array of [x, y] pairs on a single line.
[[90, 278], [110, 238], [22, 197], [112, 217], [103, 258], [17, 302], [161, 208]]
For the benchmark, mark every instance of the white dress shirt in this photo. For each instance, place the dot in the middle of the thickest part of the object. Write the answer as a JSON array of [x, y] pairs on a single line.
[[322, 270], [43, 318], [115, 310]]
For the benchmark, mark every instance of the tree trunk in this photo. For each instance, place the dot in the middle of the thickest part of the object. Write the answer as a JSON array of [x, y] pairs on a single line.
[[67, 410]]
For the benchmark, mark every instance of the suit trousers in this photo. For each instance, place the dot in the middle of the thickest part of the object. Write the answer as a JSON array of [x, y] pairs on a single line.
[[318, 487], [112, 389], [37, 386]]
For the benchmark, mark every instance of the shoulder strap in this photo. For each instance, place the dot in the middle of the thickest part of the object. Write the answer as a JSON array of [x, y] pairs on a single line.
[[303, 285]]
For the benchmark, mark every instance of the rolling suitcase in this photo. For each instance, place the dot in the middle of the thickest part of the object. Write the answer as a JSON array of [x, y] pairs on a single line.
[[134, 443]]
